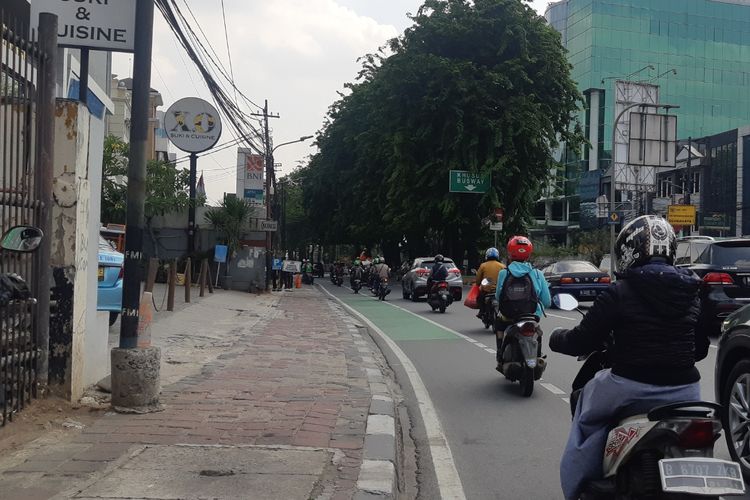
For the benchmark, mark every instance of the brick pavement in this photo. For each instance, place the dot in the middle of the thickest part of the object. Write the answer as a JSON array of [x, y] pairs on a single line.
[[293, 380]]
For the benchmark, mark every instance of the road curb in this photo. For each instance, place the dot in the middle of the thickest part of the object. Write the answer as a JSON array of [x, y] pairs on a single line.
[[378, 476]]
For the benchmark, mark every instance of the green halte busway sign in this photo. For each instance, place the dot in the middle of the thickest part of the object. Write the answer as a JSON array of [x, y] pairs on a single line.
[[462, 181]]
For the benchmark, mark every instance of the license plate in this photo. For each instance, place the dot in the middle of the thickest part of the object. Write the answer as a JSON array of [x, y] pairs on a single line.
[[588, 293], [701, 476], [100, 274]]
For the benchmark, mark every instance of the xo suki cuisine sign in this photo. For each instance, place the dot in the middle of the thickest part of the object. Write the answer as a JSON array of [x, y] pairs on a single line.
[[94, 24]]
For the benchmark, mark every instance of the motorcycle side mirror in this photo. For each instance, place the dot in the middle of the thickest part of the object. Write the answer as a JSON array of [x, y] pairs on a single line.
[[485, 282], [22, 239], [565, 302]]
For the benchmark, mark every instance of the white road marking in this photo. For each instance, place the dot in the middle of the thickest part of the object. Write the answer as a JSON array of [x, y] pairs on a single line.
[[491, 351], [553, 389], [449, 482], [562, 317]]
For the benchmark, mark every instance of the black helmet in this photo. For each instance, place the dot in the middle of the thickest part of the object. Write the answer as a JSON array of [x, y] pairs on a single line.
[[439, 258], [644, 238]]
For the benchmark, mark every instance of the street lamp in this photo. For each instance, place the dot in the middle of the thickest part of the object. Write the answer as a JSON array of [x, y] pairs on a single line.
[[269, 235], [613, 185]]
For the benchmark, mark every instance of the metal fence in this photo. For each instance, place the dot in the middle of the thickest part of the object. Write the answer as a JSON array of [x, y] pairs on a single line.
[[24, 118]]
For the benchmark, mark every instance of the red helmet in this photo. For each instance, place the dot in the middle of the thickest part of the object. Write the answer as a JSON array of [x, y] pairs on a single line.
[[520, 248]]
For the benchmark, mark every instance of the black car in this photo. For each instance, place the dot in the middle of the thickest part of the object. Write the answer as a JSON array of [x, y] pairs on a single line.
[[724, 267], [579, 278], [733, 385]]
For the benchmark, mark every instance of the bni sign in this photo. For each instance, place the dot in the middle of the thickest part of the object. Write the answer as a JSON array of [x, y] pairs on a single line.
[[93, 24]]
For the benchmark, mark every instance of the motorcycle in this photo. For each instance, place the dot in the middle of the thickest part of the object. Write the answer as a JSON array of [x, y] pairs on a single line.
[[356, 285], [522, 359], [384, 289], [489, 313], [667, 453], [440, 296]]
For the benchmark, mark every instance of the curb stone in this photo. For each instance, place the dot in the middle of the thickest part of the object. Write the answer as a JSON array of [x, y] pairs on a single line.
[[378, 478]]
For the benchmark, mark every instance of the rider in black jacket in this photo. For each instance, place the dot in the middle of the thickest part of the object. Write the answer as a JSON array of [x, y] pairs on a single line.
[[648, 319]]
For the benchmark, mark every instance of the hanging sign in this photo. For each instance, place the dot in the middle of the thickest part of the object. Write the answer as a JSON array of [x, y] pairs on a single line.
[[96, 24], [193, 125]]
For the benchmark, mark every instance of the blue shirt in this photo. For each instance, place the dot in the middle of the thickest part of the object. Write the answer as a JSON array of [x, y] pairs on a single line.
[[521, 269]]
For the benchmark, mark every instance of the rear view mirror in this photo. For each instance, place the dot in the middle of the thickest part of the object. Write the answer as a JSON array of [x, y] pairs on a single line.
[[565, 302], [22, 239]]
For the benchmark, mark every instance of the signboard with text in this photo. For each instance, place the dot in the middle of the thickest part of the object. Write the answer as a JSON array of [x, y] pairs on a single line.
[[681, 215], [251, 176], [193, 125], [269, 226], [99, 25], [462, 181]]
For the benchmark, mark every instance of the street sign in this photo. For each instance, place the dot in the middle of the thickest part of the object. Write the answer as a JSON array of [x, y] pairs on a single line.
[[278, 265], [614, 218], [193, 125], [269, 226], [716, 220], [461, 181], [220, 253], [95, 25], [681, 215], [499, 214], [498, 226]]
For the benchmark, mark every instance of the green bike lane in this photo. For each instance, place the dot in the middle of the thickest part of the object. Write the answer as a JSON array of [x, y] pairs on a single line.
[[504, 446]]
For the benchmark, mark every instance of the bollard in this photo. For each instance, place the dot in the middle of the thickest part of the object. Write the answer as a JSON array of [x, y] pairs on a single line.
[[135, 380], [202, 277], [188, 280], [153, 268], [171, 282]]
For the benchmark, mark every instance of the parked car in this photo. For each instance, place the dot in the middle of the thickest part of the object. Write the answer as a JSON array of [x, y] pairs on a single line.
[[732, 384], [690, 248], [414, 282], [110, 273], [724, 266], [579, 278]]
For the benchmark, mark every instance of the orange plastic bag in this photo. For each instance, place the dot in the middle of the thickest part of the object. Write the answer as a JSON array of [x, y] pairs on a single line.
[[472, 298]]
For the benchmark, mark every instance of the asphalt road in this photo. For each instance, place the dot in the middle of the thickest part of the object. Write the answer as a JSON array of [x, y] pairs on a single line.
[[504, 446]]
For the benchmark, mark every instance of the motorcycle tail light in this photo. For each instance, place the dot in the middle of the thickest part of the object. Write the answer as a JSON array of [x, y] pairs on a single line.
[[443, 285], [528, 329], [693, 434]]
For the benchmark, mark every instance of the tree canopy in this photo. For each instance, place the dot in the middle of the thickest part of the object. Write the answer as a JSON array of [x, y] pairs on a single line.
[[482, 86], [167, 188]]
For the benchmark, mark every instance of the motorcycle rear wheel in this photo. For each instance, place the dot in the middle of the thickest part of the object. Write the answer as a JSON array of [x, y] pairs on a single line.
[[442, 309], [527, 382]]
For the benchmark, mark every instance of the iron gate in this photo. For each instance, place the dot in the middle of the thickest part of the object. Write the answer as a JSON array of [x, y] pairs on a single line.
[[22, 78]]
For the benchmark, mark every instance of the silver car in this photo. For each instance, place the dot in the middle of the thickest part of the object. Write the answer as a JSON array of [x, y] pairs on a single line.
[[414, 282]]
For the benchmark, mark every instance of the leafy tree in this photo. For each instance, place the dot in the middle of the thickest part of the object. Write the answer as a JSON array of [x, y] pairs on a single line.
[[468, 87], [167, 188], [230, 218]]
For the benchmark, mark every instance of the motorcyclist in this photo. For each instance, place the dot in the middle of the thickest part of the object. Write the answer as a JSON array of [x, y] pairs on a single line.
[[307, 270], [490, 270], [520, 249], [651, 313], [356, 272], [382, 270], [439, 272]]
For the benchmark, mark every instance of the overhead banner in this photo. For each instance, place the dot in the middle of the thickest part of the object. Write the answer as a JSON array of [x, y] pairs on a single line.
[[251, 176], [100, 25]]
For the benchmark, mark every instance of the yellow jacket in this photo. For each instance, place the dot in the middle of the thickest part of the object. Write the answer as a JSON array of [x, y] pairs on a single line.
[[490, 270]]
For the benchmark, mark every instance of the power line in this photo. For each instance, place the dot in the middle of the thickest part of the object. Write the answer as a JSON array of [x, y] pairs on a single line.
[[229, 52]]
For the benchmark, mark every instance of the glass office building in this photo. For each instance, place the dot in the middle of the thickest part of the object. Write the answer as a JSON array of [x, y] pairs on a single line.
[[705, 42]]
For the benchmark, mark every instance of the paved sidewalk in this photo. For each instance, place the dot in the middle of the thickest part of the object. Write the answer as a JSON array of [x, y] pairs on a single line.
[[270, 399]]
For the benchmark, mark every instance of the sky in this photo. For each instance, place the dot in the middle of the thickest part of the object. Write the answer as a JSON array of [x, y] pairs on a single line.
[[297, 54]]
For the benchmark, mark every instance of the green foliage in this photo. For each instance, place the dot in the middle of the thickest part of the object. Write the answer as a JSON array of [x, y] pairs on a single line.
[[167, 188], [482, 86], [230, 218], [594, 244]]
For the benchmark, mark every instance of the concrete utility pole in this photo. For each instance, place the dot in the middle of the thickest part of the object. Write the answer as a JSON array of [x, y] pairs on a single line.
[[135, 371]]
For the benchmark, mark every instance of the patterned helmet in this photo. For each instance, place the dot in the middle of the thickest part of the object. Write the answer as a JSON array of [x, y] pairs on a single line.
[[642, 239], [492, 254]]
